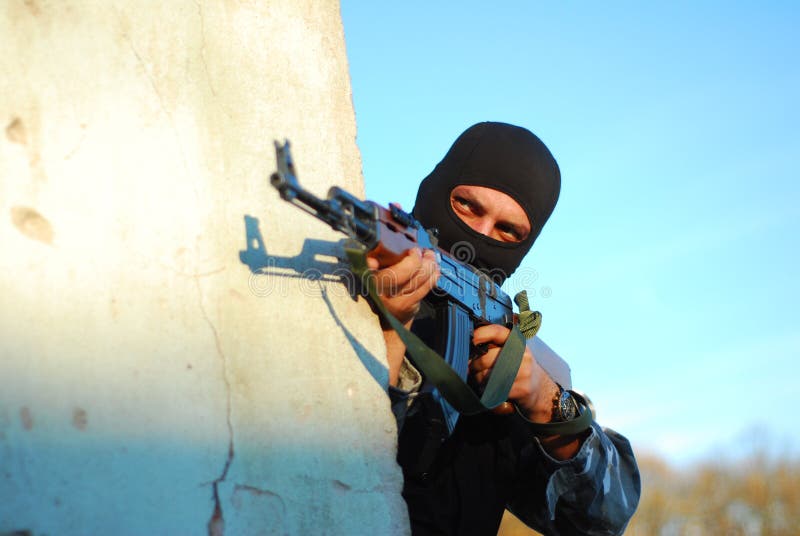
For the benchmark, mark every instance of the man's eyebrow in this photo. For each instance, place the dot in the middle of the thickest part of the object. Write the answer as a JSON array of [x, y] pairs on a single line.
[[472, 200]]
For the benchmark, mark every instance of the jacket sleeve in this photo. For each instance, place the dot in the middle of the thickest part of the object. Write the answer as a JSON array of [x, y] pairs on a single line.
[[594, 493], [402, 396]]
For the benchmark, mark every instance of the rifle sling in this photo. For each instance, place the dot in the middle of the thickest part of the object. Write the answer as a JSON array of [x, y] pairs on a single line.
[[449, 383]]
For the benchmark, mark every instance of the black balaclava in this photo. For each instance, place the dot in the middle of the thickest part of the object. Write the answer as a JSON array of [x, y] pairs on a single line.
[[507, 158]]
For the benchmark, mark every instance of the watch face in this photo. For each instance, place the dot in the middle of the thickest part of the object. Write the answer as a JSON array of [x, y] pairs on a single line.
[[568, 406]]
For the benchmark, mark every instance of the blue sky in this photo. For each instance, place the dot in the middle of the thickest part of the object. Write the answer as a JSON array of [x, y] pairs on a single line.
[[667, 275]]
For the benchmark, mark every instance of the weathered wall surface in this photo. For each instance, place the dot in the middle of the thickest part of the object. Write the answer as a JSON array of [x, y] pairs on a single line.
[[149, 383]]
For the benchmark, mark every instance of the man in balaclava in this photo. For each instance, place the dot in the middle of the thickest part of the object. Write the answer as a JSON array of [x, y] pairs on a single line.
[[504, 157], [460, 477]]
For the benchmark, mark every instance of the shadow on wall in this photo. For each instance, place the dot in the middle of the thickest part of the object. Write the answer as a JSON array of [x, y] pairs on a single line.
[[319, 262], [85, 487]]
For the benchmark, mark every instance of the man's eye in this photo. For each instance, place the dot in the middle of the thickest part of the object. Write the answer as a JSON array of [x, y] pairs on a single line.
[[510, 231], [465, 203]]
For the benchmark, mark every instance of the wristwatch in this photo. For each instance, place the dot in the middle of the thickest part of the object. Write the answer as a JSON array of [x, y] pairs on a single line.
[[565, 407]]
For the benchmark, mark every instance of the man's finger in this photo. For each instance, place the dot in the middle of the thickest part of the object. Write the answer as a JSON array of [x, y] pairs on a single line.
[[481, 376], [415, 294], [425, 278], [484, 362], [491, 333]]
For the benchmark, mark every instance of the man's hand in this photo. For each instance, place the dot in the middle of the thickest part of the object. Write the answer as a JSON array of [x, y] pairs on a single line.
[[402, 287], [533, 390]]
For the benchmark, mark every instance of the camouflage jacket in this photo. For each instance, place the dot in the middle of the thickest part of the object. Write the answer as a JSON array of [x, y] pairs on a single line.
[[461, 483]]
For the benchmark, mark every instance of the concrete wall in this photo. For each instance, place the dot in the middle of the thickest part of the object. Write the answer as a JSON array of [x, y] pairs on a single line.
[[150, 383]]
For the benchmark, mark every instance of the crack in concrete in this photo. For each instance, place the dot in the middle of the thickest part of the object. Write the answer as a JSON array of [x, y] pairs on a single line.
[[163, 106], [341, 486], [216, 524], [150, 78], [72, 152], [255, 491], [203, 46]]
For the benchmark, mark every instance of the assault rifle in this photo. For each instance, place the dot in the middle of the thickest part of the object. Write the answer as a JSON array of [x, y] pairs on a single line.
[[463, 298]]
